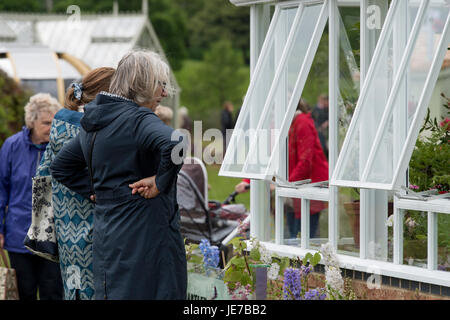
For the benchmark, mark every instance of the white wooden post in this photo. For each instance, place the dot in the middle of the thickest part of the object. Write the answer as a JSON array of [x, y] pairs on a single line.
[[259, 190], [398, 234], [432, 250], [333, 134], [305, 209], [373, 203]]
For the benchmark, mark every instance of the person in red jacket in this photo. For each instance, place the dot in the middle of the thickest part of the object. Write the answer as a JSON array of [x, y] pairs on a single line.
[[306, 161]]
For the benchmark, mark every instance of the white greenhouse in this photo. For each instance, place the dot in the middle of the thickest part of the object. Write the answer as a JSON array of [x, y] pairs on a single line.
[[395, 70]]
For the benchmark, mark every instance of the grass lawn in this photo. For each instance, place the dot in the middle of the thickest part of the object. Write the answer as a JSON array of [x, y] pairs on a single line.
[[222, 187]]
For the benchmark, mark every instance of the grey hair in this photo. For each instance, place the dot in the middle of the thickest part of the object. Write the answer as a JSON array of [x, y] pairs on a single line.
[[41, 102], [137, 76]]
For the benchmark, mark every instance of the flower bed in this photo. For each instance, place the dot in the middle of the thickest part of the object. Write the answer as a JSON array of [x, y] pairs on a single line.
[[258, 274]]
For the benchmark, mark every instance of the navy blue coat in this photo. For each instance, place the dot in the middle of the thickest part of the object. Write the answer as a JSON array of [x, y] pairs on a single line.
[[138, 250]]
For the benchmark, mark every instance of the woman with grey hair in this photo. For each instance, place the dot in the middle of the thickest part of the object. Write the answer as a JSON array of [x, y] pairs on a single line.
[[138, 250], [19, 157]]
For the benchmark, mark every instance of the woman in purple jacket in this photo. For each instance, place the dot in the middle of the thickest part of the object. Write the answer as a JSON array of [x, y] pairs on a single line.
[[19, 157]]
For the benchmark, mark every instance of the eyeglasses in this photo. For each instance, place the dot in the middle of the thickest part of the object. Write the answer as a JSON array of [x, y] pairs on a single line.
[[162, 84]]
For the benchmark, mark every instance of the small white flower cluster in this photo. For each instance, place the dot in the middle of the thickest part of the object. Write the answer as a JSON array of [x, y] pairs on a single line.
[[333, 275], [272, 274], [411, 224], [334, 279], [329, 257], [266, 256], [390, 221]]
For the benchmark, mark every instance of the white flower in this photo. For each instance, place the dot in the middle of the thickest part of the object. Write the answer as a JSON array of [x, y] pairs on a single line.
[[266, 256], [334, 279], [390, 221], [329, 257], [410, 222], [272, 274]]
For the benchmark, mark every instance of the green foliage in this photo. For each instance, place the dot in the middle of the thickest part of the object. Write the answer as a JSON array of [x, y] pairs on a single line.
[[218, 20], [191, 253], [317, 82], [237, 268], [428, 168], [13, 99], [22, 5], [312, 259], [206, 85]]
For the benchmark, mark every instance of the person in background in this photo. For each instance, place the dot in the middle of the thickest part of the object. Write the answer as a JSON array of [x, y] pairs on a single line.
[[138, 248], [320, 116], [20, 156], [306, 161], [74, 215], [226, 122], [184, 121], [165, 114]]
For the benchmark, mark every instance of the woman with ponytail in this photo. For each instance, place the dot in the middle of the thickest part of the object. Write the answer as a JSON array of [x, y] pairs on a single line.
[[73, 213]]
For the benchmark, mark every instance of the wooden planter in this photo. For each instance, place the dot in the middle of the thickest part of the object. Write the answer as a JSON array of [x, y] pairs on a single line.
[[352, 210]]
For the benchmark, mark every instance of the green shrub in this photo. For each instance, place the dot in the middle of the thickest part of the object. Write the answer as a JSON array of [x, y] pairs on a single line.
[[13, 98], [430, 161]]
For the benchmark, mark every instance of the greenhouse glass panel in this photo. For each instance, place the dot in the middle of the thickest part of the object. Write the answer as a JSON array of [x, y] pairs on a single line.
[[274, 91], [425, 49], [260, 83], [394, 94]]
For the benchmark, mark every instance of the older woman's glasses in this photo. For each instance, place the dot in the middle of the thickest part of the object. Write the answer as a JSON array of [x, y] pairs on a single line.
[[162, 84]]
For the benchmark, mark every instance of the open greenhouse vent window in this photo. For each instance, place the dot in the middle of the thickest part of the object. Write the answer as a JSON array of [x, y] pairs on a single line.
[[275, 88], [395, 96]]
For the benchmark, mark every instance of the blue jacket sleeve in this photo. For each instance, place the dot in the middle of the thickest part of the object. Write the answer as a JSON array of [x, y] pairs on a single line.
[[69, 168], [154, 136], [5, 181]]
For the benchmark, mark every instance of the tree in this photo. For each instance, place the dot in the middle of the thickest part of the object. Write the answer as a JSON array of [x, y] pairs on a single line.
[[169, 22], [13, 99], [22, 6], [222, 76], [219, 19]]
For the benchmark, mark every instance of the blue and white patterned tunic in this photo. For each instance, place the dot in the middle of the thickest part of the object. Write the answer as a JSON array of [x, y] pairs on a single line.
[[74, 215]]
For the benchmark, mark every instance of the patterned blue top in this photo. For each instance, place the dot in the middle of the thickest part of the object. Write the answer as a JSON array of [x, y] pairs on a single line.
[[74, 215]]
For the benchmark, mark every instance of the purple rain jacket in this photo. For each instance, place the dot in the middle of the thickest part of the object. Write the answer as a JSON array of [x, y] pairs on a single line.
[[19, 158]]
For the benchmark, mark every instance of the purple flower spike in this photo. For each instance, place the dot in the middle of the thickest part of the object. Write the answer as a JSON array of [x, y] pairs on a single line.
[[292, 286]]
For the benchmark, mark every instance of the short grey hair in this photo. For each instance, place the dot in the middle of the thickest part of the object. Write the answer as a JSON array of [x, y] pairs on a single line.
[[41, 102], [138, 74]]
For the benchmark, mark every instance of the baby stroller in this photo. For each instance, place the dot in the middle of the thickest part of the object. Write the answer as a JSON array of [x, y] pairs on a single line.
[[200, 218]]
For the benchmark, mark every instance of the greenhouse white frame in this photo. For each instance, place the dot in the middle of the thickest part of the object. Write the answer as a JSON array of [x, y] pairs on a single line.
[[373, 202]]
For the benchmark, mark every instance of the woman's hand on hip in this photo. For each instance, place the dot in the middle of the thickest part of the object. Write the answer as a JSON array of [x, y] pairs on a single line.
[[145, 187]]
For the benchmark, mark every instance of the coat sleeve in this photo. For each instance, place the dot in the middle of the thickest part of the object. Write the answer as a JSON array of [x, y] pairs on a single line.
[[69, 168], [5, 181], [304, 144], [154, 136]]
